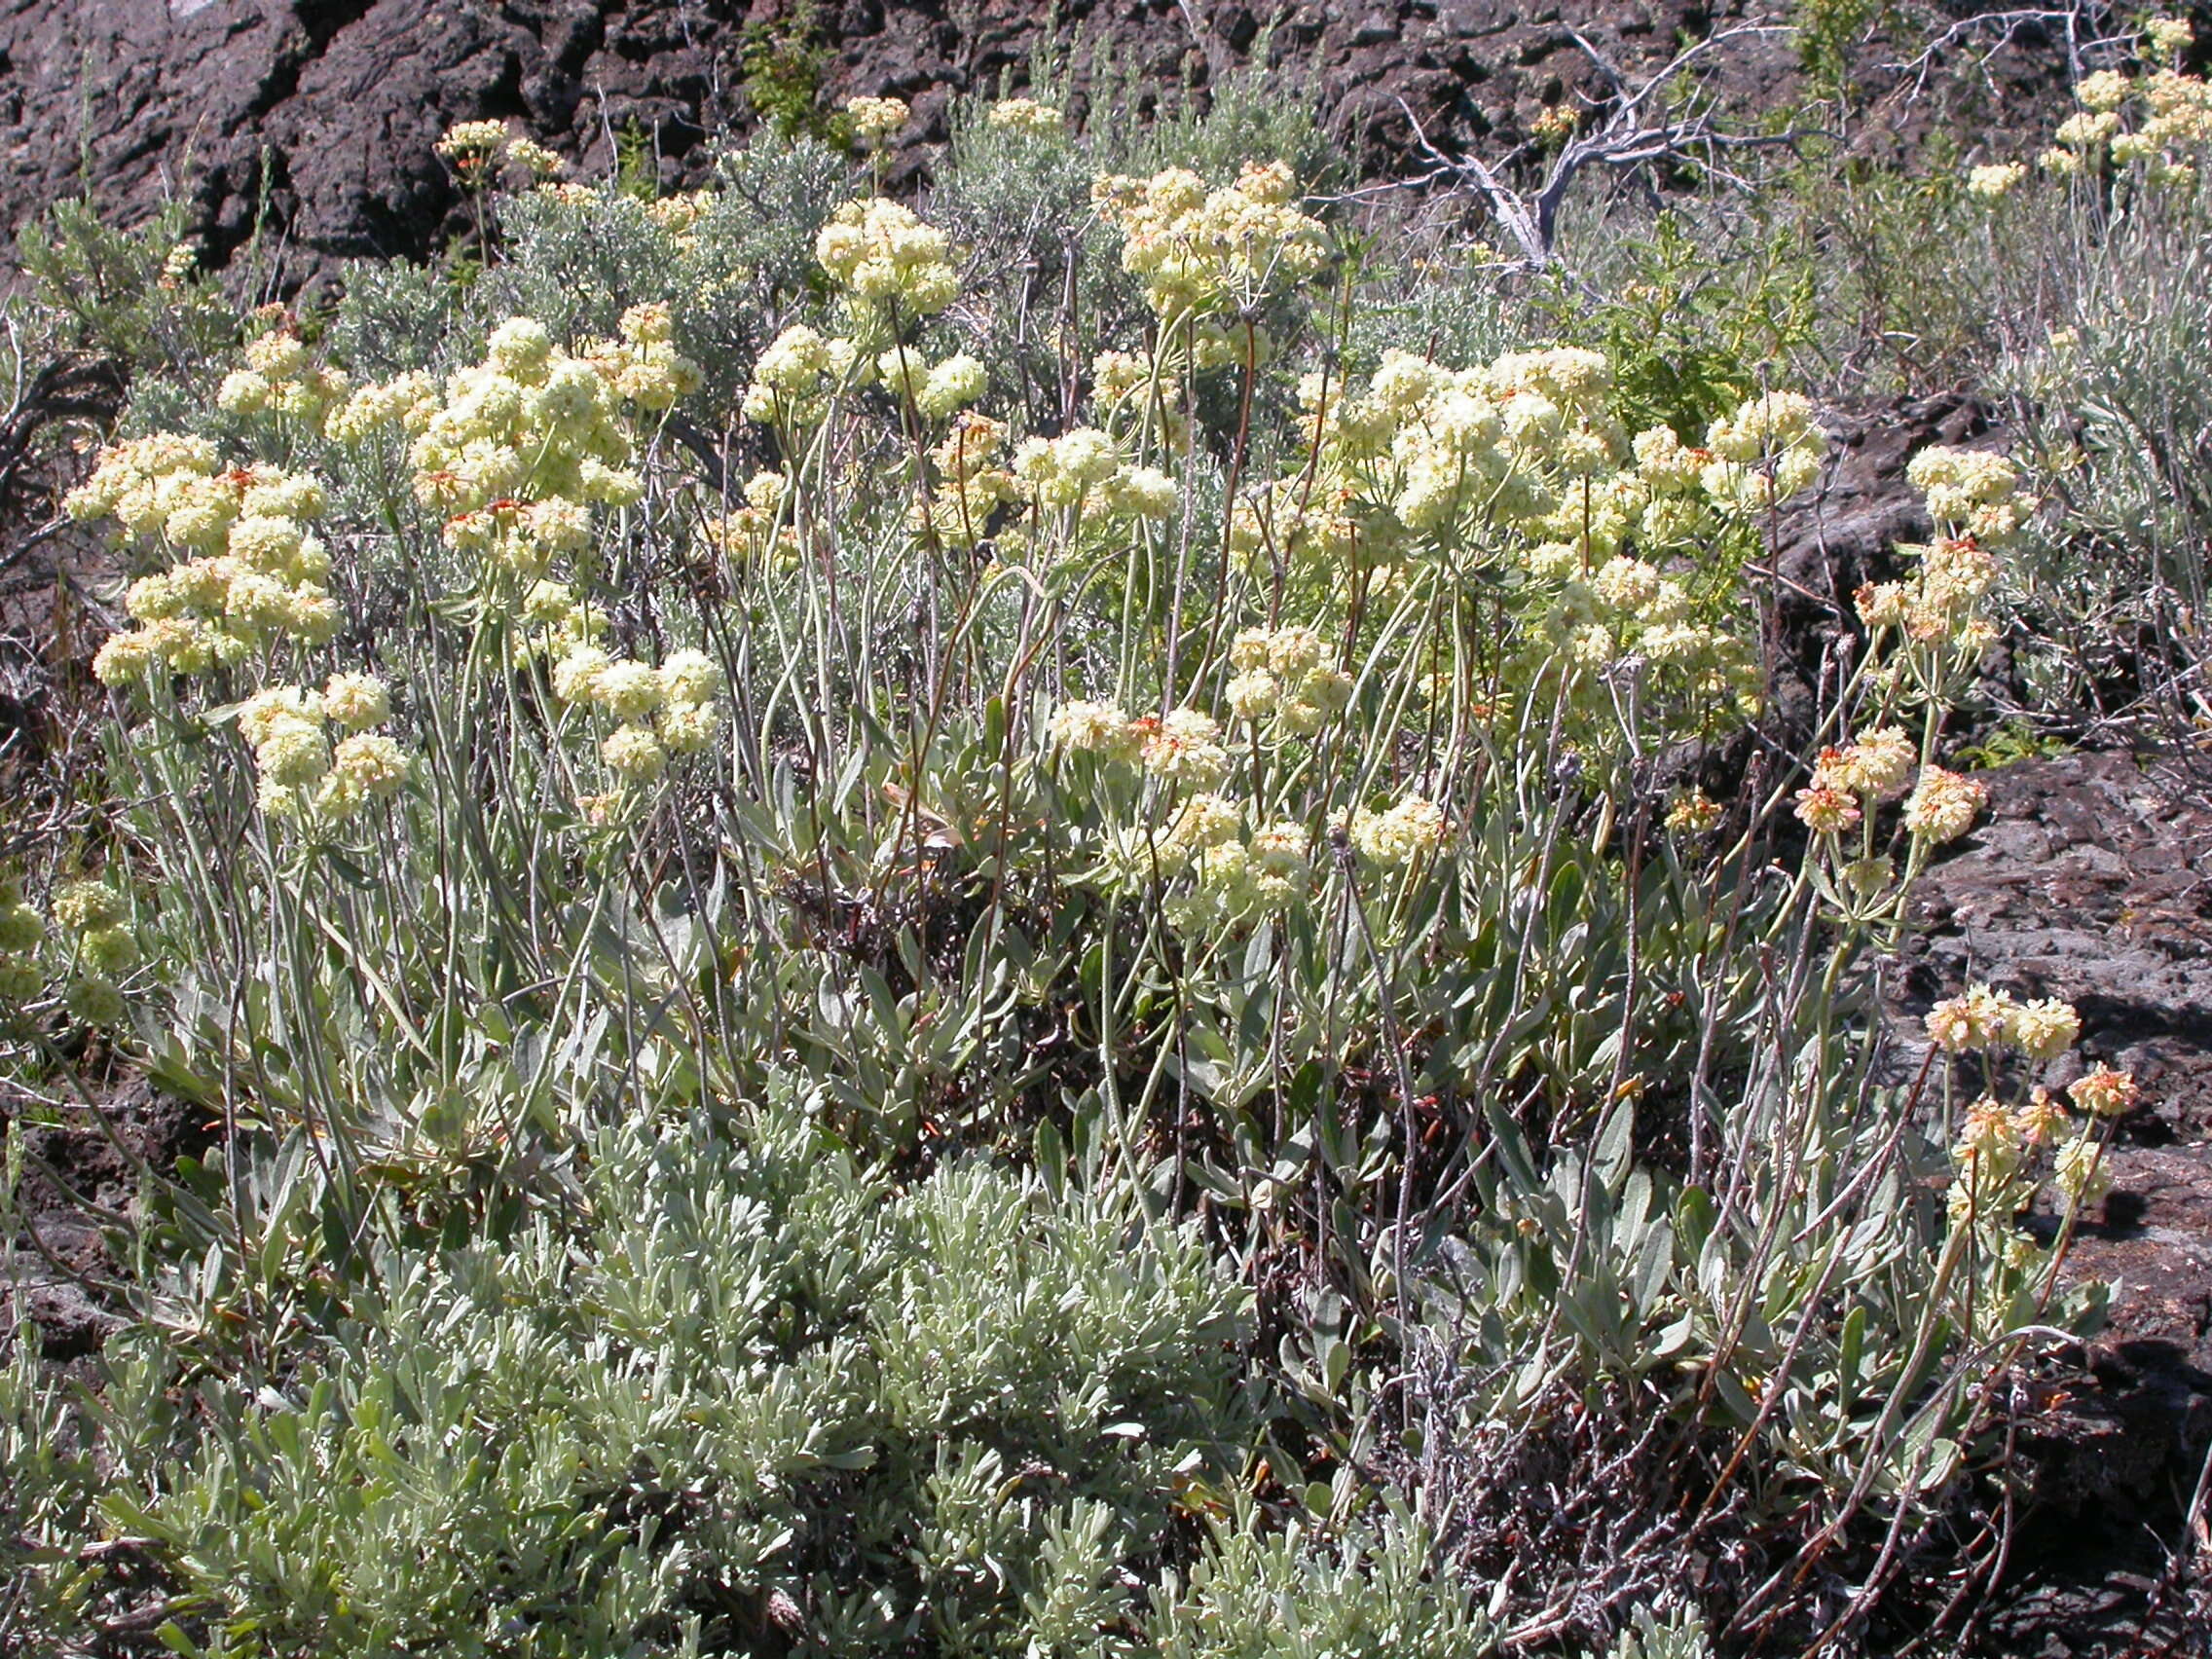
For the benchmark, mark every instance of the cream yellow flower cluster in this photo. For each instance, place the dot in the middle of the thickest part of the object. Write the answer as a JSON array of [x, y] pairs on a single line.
[[518, 448], [1197, 251], [22, 930], [476, 148], [1982, 1020], [679, 215], [876, 120], [970, 481], [280, 378], [1994, 179], [1995, 1182], [1942, 805], [2170, 35], [96, 920], [935, 392], [1529, 445], [1284, 677], [660, 712], [406, 402], [1086, 470], [760, 528], [1942, 604], [303, 774], [1226, 871], [255, 577], [1849, 781], [1182, 748], [2174, 125], [1974, 498], [1764, 452], [642, 364], [472, 144], [532, 158], [883, 255], [1995, 1146], [1970, 493], [796, 377], [1394, 837], [1027, 117], [1084, 727]]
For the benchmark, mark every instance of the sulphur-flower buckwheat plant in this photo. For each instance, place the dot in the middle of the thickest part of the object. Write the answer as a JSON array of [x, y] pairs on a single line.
[[737, 786]]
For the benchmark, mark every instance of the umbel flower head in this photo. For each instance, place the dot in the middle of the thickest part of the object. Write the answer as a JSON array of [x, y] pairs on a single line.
[[660, 712], [882, 255], [1198, 250], [249, 574], [303, 775], [875, 121], [1027, 117], [1943, 805]]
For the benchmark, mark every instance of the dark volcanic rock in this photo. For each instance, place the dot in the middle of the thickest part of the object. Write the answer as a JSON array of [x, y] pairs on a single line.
[[310, 120], [1843, 532], [2090, 878]]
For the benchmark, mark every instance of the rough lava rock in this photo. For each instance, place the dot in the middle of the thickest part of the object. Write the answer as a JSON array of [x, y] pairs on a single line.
[[305, 126], [2090, 878]]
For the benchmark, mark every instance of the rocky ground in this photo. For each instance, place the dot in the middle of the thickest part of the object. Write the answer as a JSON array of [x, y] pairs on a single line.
[[2090, 878]]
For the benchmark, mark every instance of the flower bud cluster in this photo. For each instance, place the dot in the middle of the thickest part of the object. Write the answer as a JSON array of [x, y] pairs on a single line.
[[304, 775], [881, 254], [1086, 470], [95, 919], [660, 712], [1226, 871], [22, 930], [1197, 251], [255, 575], [279, 379], [1026, 117], [1284, 677]]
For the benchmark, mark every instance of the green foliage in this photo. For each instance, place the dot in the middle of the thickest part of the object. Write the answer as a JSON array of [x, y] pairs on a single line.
[[1830, 32], [783, 61], [742, 1375], [1368, 1596], [117, 290], [1690, 339], [636, 161]]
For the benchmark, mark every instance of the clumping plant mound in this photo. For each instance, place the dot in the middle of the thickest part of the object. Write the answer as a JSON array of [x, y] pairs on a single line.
[[993, 926]]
